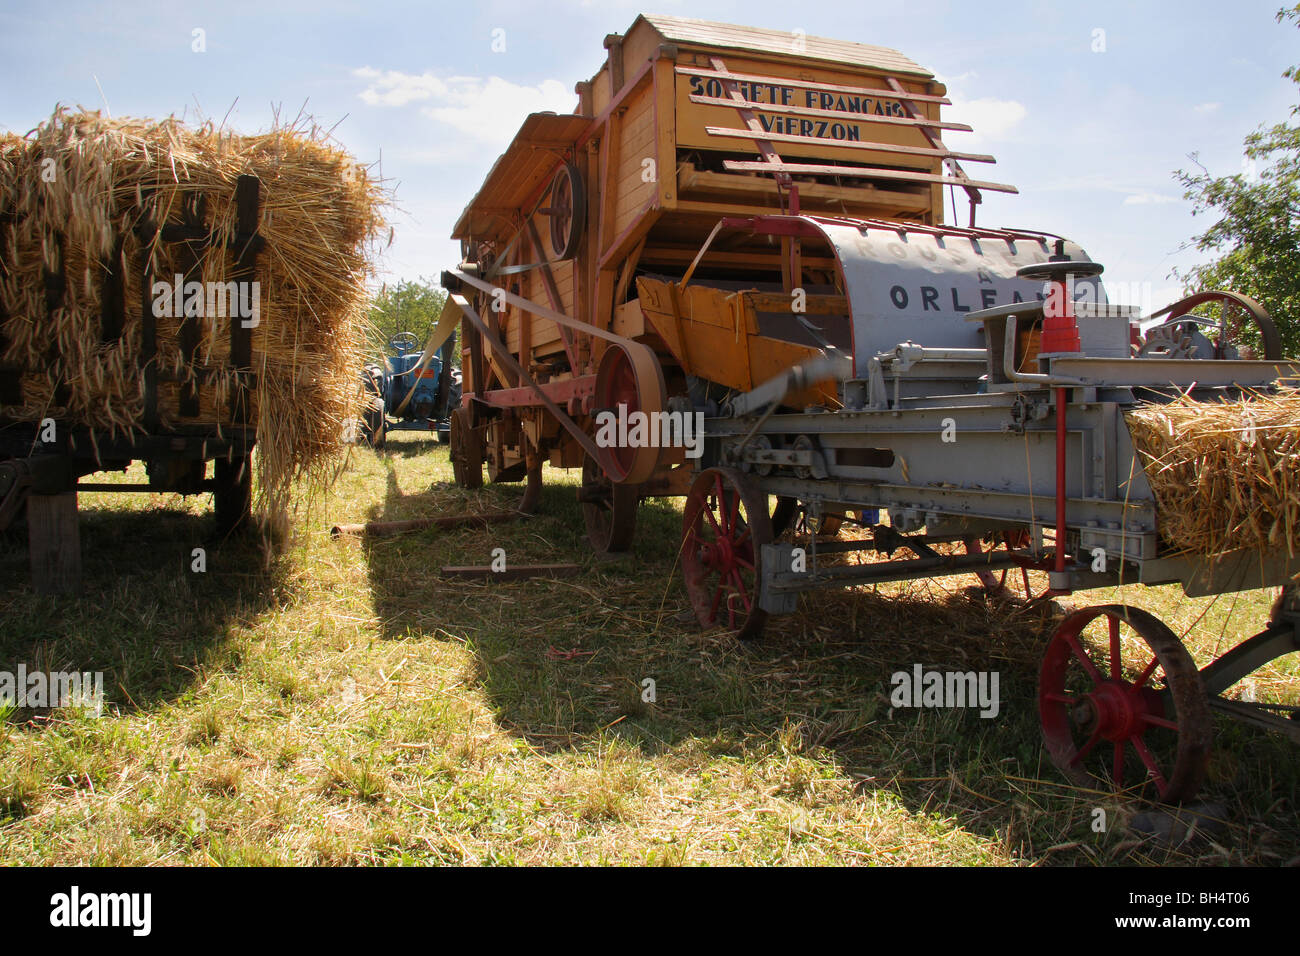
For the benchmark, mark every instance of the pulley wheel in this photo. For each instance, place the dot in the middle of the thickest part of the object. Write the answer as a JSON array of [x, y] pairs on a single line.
[[629, 384], [567, 211]]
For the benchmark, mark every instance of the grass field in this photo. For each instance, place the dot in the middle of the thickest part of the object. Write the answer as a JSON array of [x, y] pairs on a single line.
[[342, 704]]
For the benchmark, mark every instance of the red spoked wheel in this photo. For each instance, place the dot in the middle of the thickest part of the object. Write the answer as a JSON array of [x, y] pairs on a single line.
[[724, 527], [1121, 703], [629, 381], [1235, 317]]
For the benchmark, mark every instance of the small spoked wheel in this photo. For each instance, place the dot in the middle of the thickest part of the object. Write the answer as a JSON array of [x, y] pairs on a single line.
[[1122, 704], [1011, 584], [724, 527]]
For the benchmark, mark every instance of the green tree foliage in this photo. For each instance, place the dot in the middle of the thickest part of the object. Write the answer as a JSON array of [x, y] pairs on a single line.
[[408, 306], [1257, 235]]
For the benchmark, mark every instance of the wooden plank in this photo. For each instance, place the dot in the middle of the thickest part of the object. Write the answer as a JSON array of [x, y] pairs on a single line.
[[629, 237], [811, 85], [188, 258], [810, 169], [728, 133], [112, 313], [757, 133], [841, 197], [836, 114], [247, 201], [584, 266], [665, 120], [54, 543], [680, 258], [148, 327], [519, 572], [555, 291], [381, 529], [953, 166]]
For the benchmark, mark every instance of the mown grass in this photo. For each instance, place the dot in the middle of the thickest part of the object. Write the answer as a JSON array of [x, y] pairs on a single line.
[[343, 704]]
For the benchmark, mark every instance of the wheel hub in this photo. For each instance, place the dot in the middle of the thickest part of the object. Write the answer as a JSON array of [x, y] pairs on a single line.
[[1117, 709], [719, 555]]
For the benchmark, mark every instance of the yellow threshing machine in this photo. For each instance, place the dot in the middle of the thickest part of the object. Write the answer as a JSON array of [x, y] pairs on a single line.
[[748, 226]]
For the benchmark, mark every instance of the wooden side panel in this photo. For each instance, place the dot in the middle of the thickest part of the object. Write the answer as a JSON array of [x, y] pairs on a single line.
[[631, 179]]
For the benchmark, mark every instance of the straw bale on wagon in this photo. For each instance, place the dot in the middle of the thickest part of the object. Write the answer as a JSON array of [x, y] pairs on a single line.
[[1226, 475], [84, 196]]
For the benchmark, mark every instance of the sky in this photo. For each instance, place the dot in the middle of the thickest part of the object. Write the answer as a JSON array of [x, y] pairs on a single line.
[[1089, 108]]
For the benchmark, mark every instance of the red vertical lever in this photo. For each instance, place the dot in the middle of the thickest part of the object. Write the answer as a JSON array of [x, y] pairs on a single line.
[[1060, 337]]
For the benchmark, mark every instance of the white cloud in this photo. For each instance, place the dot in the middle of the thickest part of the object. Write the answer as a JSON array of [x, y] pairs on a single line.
[[991, 118], [491, 111], [394, 88], [1206, 107], [488, 110], [1147, 198]]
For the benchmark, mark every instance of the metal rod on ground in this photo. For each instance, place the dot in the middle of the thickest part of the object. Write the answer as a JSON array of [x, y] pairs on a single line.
[[518, 573], [380, 529]]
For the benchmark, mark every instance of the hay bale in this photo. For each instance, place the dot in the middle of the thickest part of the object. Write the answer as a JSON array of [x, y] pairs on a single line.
[[1226, 475], [72, 194]]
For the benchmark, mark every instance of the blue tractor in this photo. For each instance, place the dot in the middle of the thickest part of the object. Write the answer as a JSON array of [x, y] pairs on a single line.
[[413, 389]]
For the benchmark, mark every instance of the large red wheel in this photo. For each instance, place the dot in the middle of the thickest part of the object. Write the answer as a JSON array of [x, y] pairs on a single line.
[[1239, 319], [724, 527], [1120, 701], [629, 382]]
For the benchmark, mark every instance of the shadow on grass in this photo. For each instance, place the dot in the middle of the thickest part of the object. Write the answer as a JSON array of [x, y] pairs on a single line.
[[145, 618], [564, 664], [414, 443]]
